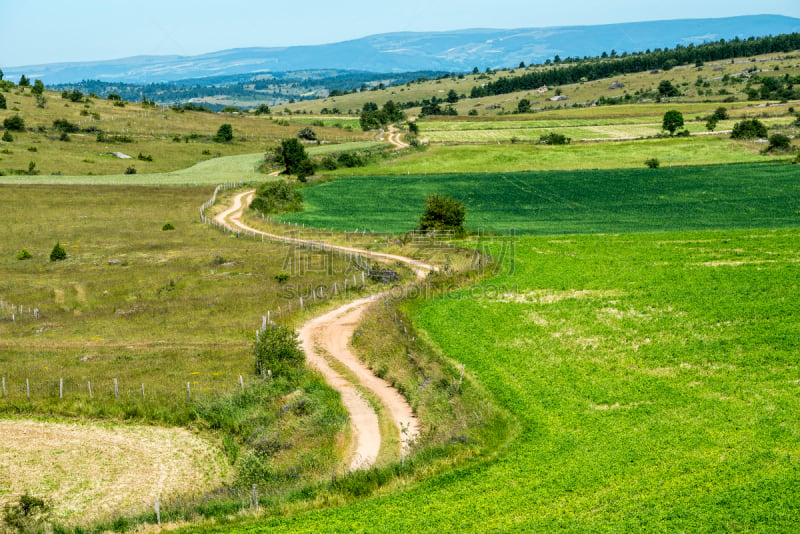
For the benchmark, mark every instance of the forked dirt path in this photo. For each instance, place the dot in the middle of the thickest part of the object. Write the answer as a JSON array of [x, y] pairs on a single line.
[[394, 138], [328, 336]]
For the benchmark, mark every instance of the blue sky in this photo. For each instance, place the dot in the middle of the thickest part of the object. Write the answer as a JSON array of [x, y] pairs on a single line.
[[50, 31]]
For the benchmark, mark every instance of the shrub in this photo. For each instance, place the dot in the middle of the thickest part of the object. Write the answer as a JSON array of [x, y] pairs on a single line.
[[28, 515], [308, 134], [64, 137], [277, 349], [554, 139], [14, 123], [329, 163], [721, 114], [63, 125], [652, 163], [7, 137], [282, 277], [2, 102], [442, 213], [58, 253], [779, 142], [277, 197], [749, 129], [24, 254], [350, 160], [167, 226], [130, 170], [144, 157], [224, 133]]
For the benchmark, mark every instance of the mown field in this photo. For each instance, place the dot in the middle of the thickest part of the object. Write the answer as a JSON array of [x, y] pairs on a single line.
[[654, 379], [577, 130], [632, 200]]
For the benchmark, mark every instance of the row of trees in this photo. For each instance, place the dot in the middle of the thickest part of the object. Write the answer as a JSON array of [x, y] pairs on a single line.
[[587, 70]]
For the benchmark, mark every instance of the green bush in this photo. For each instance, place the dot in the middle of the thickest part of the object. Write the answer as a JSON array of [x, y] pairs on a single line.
[[27, 515], [130, 170], [167, 226], [779, 142], [749, 129], [7, 137], [224, 134], [443, 213], [2, 102], [144, 157], [277, 349], [14, 123], [308, 134], [63, 125], [554, 139], [24, 254], [277, 197], [652, 163], [58, 253], [282, 277]]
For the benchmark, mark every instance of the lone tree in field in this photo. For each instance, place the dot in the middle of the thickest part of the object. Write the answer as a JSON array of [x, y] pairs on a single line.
[[452, 96], [2, 102], [673, 119], [224, 134], [442, 213], [24, 81], [38, 87], [292, 155], [666, 89], [58, 253], [277, 349], [524, 106]]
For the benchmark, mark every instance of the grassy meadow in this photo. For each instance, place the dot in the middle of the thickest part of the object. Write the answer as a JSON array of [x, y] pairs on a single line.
[[174, 140], [494, 158], [170, 316], [622, 200], [684, 77], [653, 378]]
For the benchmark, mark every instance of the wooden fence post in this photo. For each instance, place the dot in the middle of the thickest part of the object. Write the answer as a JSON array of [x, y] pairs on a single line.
[[89, 383], [116, 389]]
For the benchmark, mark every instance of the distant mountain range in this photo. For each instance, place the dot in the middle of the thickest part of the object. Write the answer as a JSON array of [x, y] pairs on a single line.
[[435, 51]]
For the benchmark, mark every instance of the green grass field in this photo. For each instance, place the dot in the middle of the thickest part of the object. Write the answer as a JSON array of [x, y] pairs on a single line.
[[633, 200], [708, 150], [580, 129], [654, 380]]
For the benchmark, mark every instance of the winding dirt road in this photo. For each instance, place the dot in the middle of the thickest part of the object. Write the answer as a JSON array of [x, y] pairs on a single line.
[[395, 138], [328, 336]]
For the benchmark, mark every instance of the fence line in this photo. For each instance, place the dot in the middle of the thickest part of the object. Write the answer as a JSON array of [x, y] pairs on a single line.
[[347, 285], [18, 309], [108, 388]]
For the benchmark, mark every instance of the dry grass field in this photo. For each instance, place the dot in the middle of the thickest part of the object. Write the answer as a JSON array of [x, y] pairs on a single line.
[[77, 466]]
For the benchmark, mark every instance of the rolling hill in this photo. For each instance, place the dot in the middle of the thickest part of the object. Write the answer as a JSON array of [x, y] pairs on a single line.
[[397, 52]]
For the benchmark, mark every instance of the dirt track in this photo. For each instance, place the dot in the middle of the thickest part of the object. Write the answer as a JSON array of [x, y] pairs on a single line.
[[394, 138], [328, 336]]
